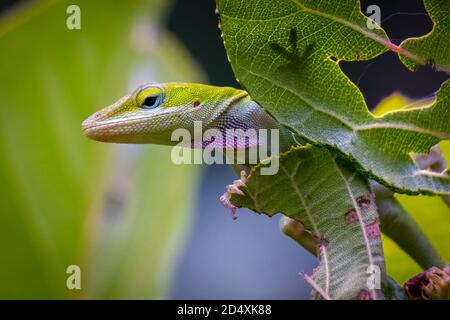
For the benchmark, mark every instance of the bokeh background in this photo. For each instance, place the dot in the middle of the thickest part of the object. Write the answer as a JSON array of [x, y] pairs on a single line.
[[137, 225]]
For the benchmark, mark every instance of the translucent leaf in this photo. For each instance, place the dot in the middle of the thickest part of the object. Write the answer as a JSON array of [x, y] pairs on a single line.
[[431, 213], [433, 48], [286, 54], [336, 205]]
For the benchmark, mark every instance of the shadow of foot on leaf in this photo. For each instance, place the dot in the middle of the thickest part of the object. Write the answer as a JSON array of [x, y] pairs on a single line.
[[296, 60]]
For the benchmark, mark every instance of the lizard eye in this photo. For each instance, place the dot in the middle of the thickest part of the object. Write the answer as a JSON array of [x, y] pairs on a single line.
[[150, 102]]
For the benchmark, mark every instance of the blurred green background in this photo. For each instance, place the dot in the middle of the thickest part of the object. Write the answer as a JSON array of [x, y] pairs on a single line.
[[66, 200], [137, 225]]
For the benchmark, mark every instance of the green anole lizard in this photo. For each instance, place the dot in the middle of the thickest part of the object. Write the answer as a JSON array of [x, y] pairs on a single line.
[[151, 113]]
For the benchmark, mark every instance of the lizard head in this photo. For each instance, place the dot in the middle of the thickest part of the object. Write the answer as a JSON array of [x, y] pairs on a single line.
[[153, 111]]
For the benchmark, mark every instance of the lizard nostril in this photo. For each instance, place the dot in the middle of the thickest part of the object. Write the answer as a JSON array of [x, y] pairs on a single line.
[[85, 124], [91, 120]]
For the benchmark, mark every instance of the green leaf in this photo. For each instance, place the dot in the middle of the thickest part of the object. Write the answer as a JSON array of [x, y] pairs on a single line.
[[332, 202], [431, 213], [433, 48], [286, 54], [52, 210]]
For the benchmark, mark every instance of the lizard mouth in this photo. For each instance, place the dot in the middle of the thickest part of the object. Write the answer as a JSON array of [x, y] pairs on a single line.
[[95, 131], [131, 128], [118, 130]]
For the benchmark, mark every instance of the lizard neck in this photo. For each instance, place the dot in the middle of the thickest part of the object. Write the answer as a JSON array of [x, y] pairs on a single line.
[[241, 113]]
